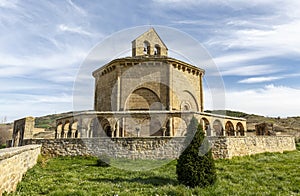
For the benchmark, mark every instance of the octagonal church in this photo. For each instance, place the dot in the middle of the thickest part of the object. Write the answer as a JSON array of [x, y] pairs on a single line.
[[147, 95]]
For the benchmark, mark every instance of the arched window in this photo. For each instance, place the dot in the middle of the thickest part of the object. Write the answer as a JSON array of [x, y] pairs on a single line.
[[218, 128], [240, 129], [146, 47], [229, 128], [157, 50]]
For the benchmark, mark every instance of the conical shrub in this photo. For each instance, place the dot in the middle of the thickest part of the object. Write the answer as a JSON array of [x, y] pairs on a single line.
[[195, 166]]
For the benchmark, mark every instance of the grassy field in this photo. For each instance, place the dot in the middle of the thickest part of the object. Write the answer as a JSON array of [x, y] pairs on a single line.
[[263, 174]]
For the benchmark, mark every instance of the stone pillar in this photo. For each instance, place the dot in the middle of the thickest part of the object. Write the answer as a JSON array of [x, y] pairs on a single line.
[[123, 127], [171, 127], [117, 128]]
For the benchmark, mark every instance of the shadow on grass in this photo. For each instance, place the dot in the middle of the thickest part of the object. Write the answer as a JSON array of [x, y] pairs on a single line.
[[155, 181]]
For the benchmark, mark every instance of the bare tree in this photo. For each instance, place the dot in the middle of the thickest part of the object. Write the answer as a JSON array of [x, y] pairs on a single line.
[[5, 134]]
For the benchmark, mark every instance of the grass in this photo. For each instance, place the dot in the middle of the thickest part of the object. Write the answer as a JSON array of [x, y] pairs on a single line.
[[263, 174]]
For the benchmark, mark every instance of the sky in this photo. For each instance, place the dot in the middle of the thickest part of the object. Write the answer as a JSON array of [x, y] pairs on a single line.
[[254, 44]]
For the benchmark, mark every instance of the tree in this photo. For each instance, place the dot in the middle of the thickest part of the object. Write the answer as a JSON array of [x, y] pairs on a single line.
[[4, 134], [195, 166]]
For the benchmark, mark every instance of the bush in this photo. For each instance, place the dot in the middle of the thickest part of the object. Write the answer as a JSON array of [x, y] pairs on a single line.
[[195, 166], [103, 161]]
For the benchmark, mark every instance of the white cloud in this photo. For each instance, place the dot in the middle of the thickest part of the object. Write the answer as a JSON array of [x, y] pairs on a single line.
[[33, 105], [259, 79], [21, 65], [241, 70], [77, 8], [78, 29], [8, 3], [269, 101], [231, 59]]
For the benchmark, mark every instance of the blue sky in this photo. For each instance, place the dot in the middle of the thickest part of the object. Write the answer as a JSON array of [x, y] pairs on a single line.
[[255, 44]]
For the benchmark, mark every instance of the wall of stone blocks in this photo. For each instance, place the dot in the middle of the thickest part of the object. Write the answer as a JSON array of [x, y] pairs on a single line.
[[14, 162], [162, 147]]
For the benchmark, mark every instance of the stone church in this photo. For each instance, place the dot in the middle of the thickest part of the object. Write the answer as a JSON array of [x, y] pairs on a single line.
[[148, 94]]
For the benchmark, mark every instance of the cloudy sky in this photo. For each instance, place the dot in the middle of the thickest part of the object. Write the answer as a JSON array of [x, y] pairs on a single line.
[[255, 44]]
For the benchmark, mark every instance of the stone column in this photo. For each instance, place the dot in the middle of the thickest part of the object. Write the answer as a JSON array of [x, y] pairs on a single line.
[[123, 127], [171, 127], [118, 128]]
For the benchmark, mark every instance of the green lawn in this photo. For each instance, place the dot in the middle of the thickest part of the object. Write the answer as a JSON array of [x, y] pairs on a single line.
[[263, 174]]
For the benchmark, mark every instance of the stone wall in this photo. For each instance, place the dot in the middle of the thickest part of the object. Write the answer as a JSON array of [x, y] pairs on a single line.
[[162, 147], [132, 148], [14, 162]]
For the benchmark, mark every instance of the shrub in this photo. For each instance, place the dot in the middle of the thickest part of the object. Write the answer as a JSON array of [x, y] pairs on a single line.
[[103, 160], [195, 166]]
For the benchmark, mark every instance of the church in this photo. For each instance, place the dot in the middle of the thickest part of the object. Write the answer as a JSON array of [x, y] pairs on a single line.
[[148, 94]]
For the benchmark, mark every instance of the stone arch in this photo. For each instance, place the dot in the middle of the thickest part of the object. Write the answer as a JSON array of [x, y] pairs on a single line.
[[100, 127], [59, 129], [205, 126], [240, 129], [185, 106], [142, 99], [146, 47], [157, 50], [176, 126], [229, 128], [65, 130], [218, 128], [191, 100]]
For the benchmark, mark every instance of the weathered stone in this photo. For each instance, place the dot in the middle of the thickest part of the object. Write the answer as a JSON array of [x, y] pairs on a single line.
[[162, 147], [14, 162]]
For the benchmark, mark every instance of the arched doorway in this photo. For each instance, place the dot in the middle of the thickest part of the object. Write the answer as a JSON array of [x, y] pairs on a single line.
[[229, 128], [240, 129], [100, 127], [218, 128], [205, 126], [176, 126]]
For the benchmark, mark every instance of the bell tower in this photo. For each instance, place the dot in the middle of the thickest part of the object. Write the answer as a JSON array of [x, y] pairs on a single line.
[[149, 44]]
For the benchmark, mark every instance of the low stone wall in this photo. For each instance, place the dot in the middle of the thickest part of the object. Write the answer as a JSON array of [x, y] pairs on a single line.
[[240, 146], [14, 162], [162, 147], [132, 148]]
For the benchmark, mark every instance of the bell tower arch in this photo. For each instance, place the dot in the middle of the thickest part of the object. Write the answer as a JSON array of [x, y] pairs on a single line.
[[149, 44]]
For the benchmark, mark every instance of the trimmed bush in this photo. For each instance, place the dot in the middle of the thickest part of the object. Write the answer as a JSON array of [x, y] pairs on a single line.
[[195, 166]]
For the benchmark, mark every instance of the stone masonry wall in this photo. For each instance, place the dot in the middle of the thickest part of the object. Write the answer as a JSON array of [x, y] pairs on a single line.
[[162, 147], [14, 162]]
